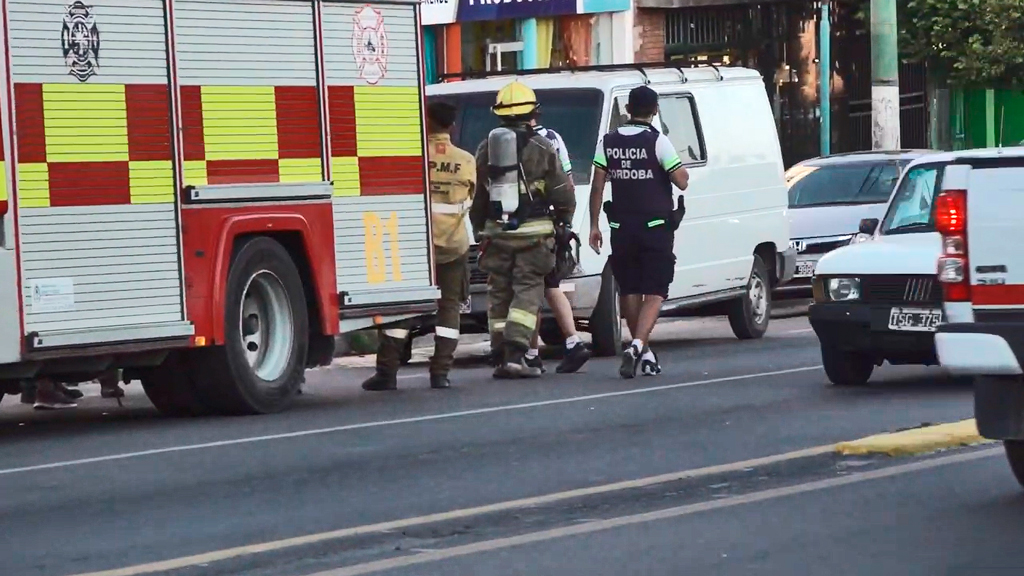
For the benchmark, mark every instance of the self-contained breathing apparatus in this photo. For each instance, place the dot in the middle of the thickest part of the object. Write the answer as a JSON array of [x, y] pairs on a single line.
[[512, 201]]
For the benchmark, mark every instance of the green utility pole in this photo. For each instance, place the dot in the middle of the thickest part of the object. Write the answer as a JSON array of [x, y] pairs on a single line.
[[825, 79], [885, 77]]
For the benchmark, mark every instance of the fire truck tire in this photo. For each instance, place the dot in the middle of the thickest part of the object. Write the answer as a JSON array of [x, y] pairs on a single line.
[[172, 389], [261, 365]]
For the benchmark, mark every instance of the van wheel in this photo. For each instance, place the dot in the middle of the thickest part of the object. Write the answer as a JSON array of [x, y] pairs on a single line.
[[846, 368], [1015, 456], [749, 315], [266, 328], [172, 389], [606, 320]]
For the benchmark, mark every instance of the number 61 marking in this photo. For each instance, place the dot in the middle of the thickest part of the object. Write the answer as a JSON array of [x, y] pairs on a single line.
[[376, 263]]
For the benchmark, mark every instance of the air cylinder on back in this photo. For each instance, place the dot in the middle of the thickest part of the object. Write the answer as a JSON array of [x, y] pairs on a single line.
[[504, 170]]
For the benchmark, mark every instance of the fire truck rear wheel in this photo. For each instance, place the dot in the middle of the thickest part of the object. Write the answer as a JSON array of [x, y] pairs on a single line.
[[266, 330], [172, 389]]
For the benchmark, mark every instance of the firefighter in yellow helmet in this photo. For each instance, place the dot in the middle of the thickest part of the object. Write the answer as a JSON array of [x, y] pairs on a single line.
[[523, 191]]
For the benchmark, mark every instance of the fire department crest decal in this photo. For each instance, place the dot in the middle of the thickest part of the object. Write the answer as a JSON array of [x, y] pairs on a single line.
[[80, 41], [370, 44]]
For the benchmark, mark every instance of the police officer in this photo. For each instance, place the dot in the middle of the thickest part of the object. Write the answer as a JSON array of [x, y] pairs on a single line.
[[642, 165], [517, 243], [452, 184], [576, 354]]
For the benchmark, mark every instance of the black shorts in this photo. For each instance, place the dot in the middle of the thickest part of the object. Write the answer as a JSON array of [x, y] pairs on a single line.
[[643, 260]]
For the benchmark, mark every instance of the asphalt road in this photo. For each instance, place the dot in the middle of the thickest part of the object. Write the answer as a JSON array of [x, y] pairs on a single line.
[[103, 488]]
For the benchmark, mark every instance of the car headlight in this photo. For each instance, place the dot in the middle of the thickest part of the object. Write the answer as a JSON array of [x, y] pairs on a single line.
[[843, 288], [860, 237]]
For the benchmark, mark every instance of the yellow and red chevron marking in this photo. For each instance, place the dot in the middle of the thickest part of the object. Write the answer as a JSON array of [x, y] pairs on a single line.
[[376, 140], [251, 134], [93, 144]]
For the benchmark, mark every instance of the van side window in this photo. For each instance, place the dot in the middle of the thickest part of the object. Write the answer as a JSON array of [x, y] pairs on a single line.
[[618, 116], [679, 121]]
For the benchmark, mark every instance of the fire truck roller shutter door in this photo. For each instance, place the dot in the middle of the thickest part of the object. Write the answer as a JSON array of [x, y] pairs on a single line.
[[95, 171], [377, 144], [249, 100]]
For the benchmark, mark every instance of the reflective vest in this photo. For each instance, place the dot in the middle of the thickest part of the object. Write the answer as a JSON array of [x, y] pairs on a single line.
[[452, 182], [641, 188]]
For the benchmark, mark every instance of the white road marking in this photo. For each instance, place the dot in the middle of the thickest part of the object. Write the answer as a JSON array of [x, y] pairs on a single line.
[[408, 376], [800, 331], [414, 419], [689, 509], [392, 526]]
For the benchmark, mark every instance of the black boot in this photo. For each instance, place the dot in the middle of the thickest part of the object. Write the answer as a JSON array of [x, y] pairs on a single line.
[[440, 381], [380, 382]]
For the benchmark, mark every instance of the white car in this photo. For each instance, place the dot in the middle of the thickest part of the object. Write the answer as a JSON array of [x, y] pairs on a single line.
[[733, 244], [879, 300]]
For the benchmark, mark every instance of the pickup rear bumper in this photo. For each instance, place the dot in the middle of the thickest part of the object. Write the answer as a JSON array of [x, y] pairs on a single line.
[[992, 353]]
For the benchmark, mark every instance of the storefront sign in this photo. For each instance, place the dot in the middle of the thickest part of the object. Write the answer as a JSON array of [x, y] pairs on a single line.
[[470, 10], [437, 11], [593, 6]]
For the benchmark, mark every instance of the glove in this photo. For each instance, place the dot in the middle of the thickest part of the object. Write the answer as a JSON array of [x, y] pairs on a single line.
[[678, 213]]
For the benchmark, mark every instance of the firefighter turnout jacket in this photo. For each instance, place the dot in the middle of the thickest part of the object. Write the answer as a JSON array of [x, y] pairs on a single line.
[[452, 183]]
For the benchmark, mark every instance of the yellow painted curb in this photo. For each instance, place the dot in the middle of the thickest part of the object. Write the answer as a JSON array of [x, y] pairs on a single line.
[[915, 441]]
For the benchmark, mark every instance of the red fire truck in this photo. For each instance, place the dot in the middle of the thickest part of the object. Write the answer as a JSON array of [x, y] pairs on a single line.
[[204, 193]]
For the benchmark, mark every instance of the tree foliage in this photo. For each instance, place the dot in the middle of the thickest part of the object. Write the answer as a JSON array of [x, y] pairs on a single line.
[[968, 42]]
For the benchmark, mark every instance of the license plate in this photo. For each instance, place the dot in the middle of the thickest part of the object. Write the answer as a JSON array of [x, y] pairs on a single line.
[[466, 307], [915, 319], [805, 268]]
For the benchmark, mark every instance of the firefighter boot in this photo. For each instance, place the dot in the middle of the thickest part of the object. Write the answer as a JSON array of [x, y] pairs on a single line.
[[389, 357], [515, 364], [381, 381]]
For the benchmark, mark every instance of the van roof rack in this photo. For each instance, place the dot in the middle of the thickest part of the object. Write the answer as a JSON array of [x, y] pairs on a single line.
[[676, 64]]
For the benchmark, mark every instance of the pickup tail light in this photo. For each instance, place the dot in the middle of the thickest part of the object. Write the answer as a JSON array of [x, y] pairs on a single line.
[[3, 207], [954, 270]]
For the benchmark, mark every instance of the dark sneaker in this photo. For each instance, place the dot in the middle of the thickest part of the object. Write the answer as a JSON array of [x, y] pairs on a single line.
[[440, 381], [574, 359], [72, 393], [52, 400], [630, 362], [28, 393], [116, 392], [514, 370], [649, 367], [381, 382], [537, 363]]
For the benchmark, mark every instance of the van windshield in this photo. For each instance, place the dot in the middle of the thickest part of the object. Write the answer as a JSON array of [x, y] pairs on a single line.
[[574, 113]]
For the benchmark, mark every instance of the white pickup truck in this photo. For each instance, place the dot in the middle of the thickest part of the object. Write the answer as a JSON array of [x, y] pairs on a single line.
[[980, 216]]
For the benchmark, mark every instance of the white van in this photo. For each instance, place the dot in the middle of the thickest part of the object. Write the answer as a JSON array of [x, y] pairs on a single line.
[[733, 245]]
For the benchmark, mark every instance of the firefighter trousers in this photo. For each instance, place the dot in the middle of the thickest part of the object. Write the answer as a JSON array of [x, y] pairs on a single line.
[[453, 280], [515, 267]]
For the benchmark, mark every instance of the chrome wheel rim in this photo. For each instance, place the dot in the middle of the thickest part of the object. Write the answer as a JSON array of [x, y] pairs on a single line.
[[758, 294], [265, 324]]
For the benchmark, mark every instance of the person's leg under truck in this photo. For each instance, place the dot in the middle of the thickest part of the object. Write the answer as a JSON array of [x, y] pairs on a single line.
[[534, 259], [389, 351], [453, 280], [497, 261]]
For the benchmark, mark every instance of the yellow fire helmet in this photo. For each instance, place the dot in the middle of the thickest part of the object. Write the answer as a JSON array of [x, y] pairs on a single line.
[[515, 99]]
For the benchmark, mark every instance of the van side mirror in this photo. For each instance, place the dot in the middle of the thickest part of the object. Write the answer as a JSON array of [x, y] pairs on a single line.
[[868, 226]]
